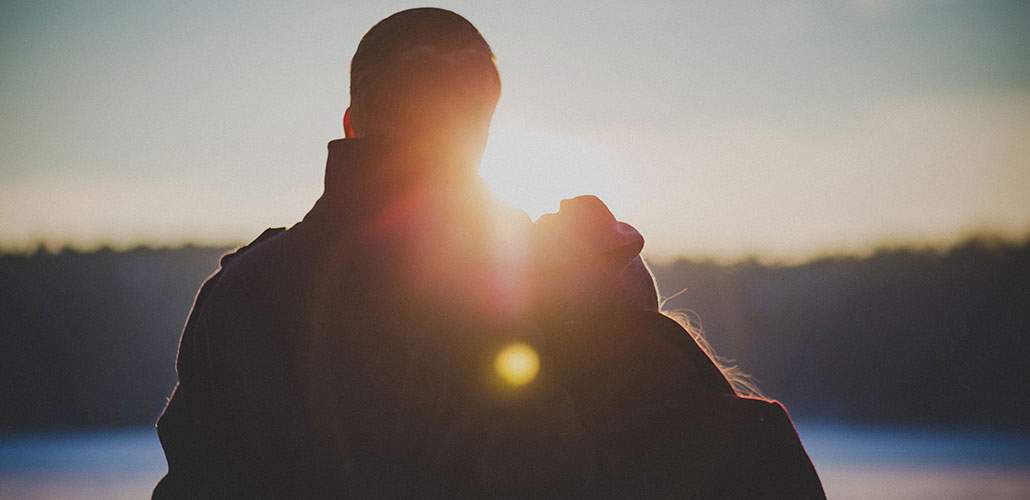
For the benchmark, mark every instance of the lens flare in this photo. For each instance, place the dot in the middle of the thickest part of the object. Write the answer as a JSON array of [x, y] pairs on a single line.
[[517, 364]]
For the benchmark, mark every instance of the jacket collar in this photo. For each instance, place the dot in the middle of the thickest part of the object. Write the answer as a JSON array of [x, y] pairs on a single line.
[[389, 165], [362, 175]]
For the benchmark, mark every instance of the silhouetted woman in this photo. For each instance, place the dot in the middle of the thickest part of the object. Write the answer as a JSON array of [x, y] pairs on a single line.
[[665, 418]]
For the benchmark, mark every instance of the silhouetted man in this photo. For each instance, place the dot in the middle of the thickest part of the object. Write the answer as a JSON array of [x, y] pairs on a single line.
[[353, 355]]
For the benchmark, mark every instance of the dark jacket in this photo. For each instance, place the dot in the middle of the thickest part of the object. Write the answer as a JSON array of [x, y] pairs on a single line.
[[351, 356]]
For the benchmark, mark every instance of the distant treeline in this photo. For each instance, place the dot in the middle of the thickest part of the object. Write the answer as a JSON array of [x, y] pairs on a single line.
[[902, 336]]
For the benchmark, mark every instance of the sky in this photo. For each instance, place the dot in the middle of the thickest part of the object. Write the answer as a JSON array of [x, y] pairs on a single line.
[[782, 130]]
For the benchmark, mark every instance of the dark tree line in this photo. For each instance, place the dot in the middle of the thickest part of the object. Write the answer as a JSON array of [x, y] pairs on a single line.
[[90, 338], [903, 336]]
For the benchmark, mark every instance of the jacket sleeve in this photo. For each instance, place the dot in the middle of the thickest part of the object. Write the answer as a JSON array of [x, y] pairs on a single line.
[[668, 422], [202, 426], [185, 425]]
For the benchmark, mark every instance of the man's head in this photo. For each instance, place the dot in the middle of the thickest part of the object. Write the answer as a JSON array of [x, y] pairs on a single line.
[[423, 75]]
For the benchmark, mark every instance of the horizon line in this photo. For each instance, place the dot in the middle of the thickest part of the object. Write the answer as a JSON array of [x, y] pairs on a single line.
[[980, 238]]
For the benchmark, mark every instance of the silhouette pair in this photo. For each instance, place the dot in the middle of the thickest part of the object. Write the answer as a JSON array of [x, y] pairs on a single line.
[[412, 337]]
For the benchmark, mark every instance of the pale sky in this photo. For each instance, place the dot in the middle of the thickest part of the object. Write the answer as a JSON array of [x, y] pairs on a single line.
[[778, 129]]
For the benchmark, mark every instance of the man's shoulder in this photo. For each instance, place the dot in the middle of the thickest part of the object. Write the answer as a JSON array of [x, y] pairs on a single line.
[[240, 268], [266, 236]]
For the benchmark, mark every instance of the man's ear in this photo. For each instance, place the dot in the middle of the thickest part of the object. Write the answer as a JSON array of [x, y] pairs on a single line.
[[348, 129]]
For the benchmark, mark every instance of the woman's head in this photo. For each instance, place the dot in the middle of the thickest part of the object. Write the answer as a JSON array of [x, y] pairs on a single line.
[[589, 259], [597, 259]]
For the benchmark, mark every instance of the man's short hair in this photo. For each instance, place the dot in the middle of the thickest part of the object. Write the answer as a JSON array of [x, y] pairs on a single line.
[[423, 69]]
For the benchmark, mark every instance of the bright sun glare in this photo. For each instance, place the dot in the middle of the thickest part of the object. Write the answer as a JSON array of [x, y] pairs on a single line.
[[535, 170], [517, 364]]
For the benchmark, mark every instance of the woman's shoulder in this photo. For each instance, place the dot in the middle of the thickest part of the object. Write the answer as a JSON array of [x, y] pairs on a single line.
[[770, 458]]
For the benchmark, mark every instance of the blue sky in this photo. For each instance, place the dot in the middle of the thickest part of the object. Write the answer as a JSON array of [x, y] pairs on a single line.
[[781, 129]]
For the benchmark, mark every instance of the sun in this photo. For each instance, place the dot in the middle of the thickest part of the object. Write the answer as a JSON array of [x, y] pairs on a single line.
[[534, 170]]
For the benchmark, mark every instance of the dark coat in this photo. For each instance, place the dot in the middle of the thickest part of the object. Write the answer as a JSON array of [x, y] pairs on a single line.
[[350, 356]]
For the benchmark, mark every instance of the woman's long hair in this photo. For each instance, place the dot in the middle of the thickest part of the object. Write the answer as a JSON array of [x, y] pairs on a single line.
[[743, 384]]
